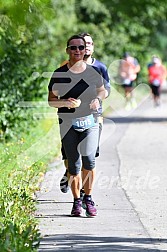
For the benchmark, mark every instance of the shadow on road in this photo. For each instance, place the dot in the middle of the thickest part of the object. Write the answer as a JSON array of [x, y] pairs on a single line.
[[78, 243], [137, 119]]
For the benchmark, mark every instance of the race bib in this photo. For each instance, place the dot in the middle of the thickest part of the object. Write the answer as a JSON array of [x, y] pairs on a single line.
[[83, 123], [156, 83]]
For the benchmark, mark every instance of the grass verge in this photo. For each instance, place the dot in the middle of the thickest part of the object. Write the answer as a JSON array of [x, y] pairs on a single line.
[[23, 163]]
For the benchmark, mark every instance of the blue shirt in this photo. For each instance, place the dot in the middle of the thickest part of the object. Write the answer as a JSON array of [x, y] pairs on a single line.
[[104, 73]]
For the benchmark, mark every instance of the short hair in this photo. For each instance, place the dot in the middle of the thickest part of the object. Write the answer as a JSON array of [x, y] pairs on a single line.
[[155, 56], [76, 36], [156, 59], [126, 54], [83, 34]]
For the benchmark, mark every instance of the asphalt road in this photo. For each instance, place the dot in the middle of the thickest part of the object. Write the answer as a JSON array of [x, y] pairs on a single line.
[[130, 190]]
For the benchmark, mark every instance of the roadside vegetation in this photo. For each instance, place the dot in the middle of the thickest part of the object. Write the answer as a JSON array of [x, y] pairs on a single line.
[[22, 169]]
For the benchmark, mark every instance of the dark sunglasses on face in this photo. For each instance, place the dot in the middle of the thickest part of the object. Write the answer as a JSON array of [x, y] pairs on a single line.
[[73, 47]]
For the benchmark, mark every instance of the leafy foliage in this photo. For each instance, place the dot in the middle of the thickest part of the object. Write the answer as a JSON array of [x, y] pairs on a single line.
[[18, 229], [18, 184], [35, 40], [16, 80]]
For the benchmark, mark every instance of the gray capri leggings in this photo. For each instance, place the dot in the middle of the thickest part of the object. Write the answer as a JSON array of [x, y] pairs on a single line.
[[80, 148]]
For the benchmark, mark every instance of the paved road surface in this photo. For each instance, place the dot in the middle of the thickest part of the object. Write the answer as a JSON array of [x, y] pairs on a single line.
[[130, 190]]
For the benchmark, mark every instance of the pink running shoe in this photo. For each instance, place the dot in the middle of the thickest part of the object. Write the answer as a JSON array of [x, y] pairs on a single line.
[[89, 205], [77, 208]]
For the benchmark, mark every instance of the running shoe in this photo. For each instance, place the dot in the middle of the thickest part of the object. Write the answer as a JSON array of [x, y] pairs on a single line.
[[89, 206], [64, 187], [77, 208]]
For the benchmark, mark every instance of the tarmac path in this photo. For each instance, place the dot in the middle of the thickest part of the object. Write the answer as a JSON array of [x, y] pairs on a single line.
[[130, 190]]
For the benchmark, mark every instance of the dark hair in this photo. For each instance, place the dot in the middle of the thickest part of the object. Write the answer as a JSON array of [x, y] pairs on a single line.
[[76, 37], [126, 54], [83, 34]]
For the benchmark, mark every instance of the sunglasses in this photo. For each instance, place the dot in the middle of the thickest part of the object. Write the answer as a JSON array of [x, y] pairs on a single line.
[[73, 47]]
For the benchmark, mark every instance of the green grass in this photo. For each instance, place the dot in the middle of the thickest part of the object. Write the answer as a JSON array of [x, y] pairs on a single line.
[[29, 149], [23, 162]]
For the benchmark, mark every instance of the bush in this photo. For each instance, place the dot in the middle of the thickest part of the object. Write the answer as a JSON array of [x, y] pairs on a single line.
[[22, 170], [17, 82], [18, 228]]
